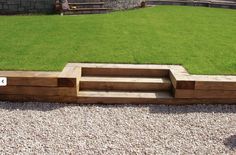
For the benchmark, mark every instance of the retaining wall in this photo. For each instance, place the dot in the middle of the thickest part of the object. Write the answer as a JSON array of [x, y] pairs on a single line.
[[64, 86], [26, 6]]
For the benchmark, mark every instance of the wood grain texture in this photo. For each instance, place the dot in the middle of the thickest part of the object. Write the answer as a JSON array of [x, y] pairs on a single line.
[[32, 81], [69, 77], [121, 97], [121, 94], [187, 89], [38, 98], [30, 78], [38, 91], [124, 84], [185, 84], [34, 74], [124, 72], [194, 94], [70, 72], [131, 70], [212, 85], [87, 100], [122, 66]]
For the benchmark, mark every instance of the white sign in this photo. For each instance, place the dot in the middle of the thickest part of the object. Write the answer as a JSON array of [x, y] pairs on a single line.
[[3, 81]]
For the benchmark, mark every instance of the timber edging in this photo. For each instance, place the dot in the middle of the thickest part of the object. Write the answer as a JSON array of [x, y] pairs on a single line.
[[65, 86]]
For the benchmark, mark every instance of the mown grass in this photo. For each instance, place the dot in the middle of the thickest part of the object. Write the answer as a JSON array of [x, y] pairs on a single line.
[[201, 39]]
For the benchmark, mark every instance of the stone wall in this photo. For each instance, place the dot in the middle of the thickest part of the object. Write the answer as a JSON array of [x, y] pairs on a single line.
[[47, 6], [26, 6], [123, 4]]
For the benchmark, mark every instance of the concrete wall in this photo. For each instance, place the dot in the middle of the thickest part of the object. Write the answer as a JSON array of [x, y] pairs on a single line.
[[26, 6]]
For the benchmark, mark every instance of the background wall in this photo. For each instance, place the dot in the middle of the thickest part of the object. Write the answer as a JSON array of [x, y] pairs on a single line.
[[47, 6], [26, 6], [122, 4]]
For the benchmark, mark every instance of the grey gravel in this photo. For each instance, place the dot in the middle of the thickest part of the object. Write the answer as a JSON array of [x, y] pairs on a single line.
[[49, 128]]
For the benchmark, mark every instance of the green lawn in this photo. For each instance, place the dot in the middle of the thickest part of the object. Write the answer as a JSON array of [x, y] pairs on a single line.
[[201, 39]]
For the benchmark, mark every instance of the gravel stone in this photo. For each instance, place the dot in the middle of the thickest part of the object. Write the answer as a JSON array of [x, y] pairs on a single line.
[[49, 128]]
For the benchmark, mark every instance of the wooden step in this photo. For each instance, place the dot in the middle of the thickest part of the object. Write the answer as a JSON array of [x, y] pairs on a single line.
[[94, 97], [84, 1], [124, 72], [124, 83], [87, 11], [90, 9], [87, 3]]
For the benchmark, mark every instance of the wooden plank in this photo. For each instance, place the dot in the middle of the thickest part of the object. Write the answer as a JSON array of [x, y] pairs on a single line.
[[122, 66], [38, 98], [124, 84], [182, 80], [84, 100], [69, 77], [178, 77], [98, 100], [121, 97], [42, 91], [214, 78], [30, 78], [125, 79], [87, 3], [29, 74], [70, 72], [214, 82], [180, 93], [172, 79], [185, 84], [89, 9], [93, 97], [118, 94], [32, 81], [124, 72], [67, 82], [206, 85]]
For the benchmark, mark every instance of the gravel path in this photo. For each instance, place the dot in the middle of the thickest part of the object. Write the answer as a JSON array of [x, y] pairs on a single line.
[[45, 128]]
